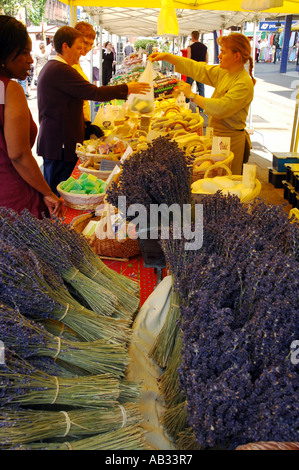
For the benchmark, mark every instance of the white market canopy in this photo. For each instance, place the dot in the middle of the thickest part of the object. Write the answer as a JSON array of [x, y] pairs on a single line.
[[131, 17]]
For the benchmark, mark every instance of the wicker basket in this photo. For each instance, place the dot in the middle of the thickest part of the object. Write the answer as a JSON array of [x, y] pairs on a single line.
[[110, 248], [269, 445], [97, 157], [197, 128], [103, 175], [84, 156], [254, 193], [220, 168], [81, 201]]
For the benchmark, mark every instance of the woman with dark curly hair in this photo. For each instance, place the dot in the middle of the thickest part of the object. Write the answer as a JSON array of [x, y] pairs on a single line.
[[22, 184]]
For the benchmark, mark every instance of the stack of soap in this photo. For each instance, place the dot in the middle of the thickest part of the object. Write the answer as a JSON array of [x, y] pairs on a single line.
[[85, 184]]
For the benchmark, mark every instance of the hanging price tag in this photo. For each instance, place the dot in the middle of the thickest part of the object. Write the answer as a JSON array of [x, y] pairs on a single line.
[[127, 153]]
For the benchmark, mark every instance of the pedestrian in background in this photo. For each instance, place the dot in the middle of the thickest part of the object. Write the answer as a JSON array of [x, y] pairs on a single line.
[[41, 58], [128, 49], [199, 52], [107, 63]]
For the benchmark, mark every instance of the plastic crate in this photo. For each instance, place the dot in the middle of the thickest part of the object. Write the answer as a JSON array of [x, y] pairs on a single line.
[[276, 178], [280, 159]]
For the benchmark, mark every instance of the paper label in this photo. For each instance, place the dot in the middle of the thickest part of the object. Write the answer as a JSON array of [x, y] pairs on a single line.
[[114, 172], [127, 153], [209, 132], [221, 145], [249, 175], [90, 228]]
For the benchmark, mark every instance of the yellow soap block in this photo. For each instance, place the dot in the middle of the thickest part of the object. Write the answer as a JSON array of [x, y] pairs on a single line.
[[249, 175], [92, 177], [209, 186], [196, 186], [245, 192], [224, 181]]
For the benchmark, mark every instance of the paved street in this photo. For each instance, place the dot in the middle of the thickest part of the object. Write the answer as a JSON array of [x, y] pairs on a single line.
[[273, 107]]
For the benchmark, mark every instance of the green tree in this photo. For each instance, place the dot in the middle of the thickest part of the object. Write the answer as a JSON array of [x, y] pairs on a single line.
[[35, 10], [143, 43], [36, 13], [12, 7]]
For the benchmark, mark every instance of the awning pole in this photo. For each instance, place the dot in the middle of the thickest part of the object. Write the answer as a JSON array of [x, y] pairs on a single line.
[[72, 13], [100, 56], [295, 132], [253, 58], [286, 42]]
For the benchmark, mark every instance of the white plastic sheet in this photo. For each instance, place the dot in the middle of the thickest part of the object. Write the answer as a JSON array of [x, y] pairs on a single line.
[[146, 327]]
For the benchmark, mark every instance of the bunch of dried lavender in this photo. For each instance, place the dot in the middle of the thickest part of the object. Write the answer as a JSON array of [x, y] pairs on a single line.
[[160, 174], [28, 232], [24, 283], [239, 316], [77, 253], [23, 384], [28, 338], [21, 426], [127, 438]]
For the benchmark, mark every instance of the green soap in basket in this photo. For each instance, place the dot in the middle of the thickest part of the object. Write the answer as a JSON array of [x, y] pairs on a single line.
[[64, 184], [92, 191], [103, 185], [83, 176], [87, 184], [77, 191], [74, 185]]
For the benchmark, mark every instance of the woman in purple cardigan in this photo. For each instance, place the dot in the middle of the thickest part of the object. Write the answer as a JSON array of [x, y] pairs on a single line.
[[61, 91]]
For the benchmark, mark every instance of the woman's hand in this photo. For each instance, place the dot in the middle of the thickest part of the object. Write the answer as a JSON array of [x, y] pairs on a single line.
[[138, 88], [171, 58], [185, 88], [54, 204], [156, 56]]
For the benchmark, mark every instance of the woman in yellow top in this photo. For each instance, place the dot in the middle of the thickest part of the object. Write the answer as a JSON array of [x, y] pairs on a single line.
[[89, 34], [229, 104]]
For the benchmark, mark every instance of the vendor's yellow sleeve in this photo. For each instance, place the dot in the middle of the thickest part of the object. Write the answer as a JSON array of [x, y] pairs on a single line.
[[86, 106]]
